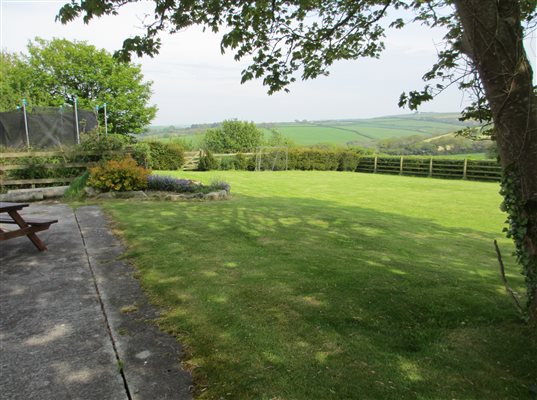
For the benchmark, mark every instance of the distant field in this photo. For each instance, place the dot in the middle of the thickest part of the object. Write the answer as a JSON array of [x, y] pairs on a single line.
[[310, 134], [367, 131], [382, 128], [363, 132]]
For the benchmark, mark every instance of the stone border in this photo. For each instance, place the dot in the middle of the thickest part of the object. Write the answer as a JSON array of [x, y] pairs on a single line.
[[157, 195], [38, 194]]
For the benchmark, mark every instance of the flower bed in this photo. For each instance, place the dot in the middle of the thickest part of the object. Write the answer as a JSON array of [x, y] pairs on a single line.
[[168, 188]]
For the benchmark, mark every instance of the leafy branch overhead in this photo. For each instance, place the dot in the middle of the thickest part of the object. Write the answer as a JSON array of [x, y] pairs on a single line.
[[282, 38]]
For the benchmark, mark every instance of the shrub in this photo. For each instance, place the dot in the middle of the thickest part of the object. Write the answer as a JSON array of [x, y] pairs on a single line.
[[141, 152], [227, 163], [313, 159], [118, 176], [34, 169], [76, 188], [100, 143], [166, 156], [170, 184], [219, 185], [348, 160], [317, 158], [208, 162], [240, 161], [234, 136]]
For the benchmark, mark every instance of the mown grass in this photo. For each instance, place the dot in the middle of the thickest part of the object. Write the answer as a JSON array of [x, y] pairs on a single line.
[[330, 285]]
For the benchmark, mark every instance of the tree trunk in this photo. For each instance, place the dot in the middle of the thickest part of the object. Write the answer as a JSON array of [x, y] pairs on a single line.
[[493, 32]]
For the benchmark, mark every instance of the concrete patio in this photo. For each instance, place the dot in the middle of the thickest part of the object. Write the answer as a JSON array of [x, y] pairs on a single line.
[[74, 323]]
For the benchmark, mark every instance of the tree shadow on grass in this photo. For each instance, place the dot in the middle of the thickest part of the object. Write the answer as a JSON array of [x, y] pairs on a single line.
[[301, 298]]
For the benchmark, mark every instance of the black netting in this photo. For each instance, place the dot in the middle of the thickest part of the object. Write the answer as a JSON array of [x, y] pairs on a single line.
[[47, 127]]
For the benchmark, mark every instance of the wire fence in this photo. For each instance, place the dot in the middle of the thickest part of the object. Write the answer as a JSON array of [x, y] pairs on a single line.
[[44, 127]]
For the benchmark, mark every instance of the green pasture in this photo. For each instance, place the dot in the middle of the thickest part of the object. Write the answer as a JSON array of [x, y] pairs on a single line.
[[367, 131], [333, 285], [306, 135], [363, 132], [395, 124]]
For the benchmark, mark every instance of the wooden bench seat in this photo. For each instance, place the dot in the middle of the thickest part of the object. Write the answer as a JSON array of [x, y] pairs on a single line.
[[23, 227], [31, 222], [32, 226]]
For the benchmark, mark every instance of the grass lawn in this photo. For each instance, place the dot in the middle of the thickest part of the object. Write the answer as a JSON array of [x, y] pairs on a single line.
[[332, 285]]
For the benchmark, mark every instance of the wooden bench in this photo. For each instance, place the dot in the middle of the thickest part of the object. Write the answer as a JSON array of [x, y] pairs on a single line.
[[26, 227], [33, 221]]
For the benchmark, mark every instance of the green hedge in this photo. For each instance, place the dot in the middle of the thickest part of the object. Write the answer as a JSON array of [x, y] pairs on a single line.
[[166, 156], [309, 159], [208, 162], [305, 159]]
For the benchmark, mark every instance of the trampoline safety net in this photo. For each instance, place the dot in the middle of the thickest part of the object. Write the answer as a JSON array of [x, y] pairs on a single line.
[[46, 126]]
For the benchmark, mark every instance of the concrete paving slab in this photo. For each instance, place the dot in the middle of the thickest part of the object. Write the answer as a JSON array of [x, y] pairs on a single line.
[[55, 341], [151, 359], [53, 338]]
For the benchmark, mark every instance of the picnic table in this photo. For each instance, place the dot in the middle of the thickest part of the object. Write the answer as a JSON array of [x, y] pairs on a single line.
[[26, 226]]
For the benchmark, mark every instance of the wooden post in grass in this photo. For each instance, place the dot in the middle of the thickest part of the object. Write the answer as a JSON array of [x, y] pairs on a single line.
[[431, 167], [401, 166], [375, 164], [464, 169]]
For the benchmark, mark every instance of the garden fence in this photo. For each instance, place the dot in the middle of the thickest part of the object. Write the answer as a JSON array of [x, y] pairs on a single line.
[[447, 168], [46, 167]]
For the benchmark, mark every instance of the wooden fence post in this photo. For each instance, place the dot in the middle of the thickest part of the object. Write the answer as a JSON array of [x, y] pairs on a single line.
[[375, 165], [401, 166], [465, 168], [431, 167]]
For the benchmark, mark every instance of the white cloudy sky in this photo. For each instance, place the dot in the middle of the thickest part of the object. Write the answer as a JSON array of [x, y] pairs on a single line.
[[194, 83]]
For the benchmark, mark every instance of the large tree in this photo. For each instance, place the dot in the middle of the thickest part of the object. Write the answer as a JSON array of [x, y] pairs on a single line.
[[233, 137], [12, 81], [484, 53], [55, 72]]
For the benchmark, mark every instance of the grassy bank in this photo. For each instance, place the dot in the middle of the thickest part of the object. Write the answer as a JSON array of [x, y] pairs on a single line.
[[331, 285]]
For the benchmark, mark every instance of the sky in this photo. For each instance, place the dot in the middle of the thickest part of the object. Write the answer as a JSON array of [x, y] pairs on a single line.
[[194, 83]]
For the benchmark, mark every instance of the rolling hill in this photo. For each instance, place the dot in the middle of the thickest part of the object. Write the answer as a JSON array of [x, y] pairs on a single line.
[[363, 132]]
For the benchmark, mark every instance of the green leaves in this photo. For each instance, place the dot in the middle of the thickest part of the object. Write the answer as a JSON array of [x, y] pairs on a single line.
[[517, 227], [283, 39], [58, 71], [138, 45], [414, 98], [233, 137]]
